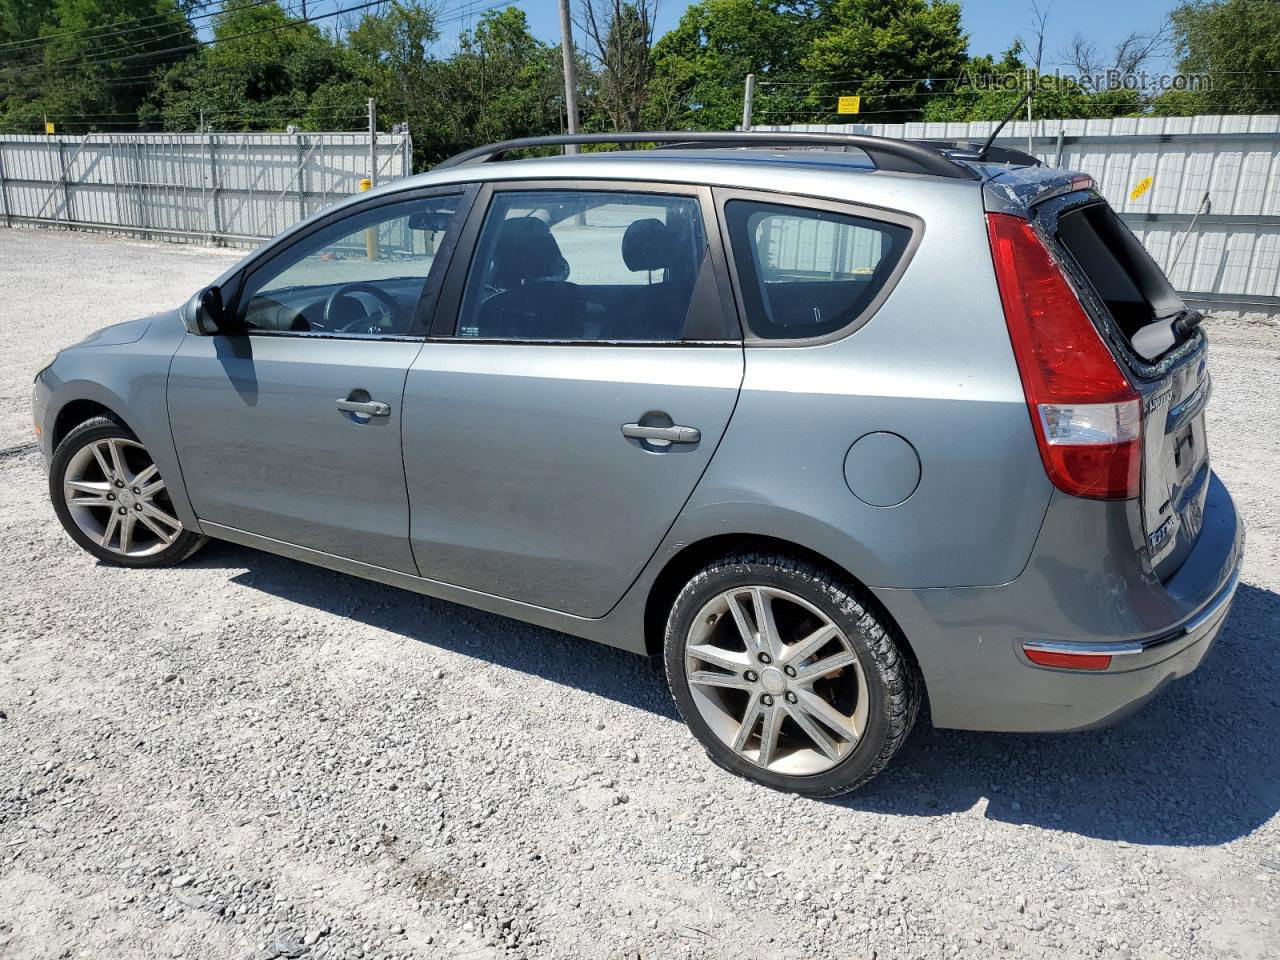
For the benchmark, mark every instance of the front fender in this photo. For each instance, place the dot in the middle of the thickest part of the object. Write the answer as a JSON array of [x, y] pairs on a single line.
[[130, 380]]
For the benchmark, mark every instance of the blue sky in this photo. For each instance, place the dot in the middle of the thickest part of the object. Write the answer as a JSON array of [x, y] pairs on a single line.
[[991, 24]]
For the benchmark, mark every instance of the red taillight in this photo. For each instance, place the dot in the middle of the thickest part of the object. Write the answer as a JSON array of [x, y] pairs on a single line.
[[1087, 417], [1069, 661]]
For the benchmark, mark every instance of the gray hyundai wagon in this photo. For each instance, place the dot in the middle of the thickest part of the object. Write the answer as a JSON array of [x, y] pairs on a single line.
[[830, 430]]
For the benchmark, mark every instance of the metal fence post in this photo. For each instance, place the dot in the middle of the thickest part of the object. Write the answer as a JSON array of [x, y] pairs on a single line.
[[212, 220], [373, 141], [4, 191], [301, 179], [66, 190]]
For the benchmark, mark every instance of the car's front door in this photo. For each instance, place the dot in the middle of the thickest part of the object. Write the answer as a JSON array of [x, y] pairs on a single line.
[[584, 364], [290, 428]]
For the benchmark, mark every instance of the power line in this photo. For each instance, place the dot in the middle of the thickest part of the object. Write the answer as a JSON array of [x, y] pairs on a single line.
[[197, 44], [467, 9], [50, 37], [189, 21]]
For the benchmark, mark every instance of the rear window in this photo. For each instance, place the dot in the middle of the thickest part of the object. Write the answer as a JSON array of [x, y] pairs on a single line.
[[809, 273], [1118, 267]]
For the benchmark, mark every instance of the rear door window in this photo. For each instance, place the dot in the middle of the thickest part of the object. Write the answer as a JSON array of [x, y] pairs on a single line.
[[807, 272], [584, 265]]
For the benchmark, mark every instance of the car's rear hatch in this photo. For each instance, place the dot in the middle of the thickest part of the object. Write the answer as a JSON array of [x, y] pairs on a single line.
[[1156, 338]]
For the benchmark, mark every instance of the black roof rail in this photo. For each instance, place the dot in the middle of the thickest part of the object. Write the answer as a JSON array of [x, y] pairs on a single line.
[[903, 156]]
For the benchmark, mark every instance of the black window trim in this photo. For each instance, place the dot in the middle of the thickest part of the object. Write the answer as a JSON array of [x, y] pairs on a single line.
[[424, 310], [802, 202], [448, 307]]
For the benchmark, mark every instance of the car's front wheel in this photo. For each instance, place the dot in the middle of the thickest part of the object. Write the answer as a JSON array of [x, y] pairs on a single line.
[[109, 495], [786, 676]]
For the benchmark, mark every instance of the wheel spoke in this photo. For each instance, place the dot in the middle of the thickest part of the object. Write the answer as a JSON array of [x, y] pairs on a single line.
[[749, 637], [718, 657], [99, 487], [820, 739], [151, 490], [127, 523], [166, 535], [103, 465], [117, 460], [156, 513], [750, 717], [710, 678], [818, 708], [773, 717], [770, 639], [826, 665], [95, 493], [144, 477], [810, 644], [110, 531]]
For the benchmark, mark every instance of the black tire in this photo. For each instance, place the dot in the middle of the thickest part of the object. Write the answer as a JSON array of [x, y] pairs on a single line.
[[892, 679], [92, 431]]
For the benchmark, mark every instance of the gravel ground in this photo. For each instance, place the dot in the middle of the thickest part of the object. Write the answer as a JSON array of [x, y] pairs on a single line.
[[247, 757]]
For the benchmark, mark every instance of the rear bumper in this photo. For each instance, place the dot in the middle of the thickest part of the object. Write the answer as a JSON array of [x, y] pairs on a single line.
[[970, 642]]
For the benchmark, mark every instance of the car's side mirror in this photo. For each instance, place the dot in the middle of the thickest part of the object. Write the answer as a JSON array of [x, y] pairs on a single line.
[[205, 314]]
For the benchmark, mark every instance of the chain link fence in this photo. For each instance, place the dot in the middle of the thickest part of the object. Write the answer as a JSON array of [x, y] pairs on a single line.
[[233, 188]]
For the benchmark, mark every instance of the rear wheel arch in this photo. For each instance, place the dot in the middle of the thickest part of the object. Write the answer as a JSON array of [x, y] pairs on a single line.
[[680, 568]]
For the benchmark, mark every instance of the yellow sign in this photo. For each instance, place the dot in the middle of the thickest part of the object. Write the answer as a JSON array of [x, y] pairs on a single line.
[[48, 127], [1143, 186], [849, 105]]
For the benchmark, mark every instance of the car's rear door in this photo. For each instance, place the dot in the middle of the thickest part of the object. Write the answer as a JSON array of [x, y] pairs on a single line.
[[290, 428], [584, 363]]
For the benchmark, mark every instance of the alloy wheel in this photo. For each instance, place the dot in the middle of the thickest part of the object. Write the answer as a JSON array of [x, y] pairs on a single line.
[[115, 495], [776, 680]]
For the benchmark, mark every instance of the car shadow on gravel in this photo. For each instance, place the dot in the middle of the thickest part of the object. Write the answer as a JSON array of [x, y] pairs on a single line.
[[558, 657], [1199, 765]]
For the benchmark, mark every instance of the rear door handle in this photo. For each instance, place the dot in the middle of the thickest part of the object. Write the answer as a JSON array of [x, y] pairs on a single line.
[[670, 434], [370, 408]]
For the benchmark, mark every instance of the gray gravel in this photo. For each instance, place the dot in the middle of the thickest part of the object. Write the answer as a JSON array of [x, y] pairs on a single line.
[[248, 757]]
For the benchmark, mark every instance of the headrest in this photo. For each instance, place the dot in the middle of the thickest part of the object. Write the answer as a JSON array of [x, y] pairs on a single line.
[[647, 245], [526, 250]]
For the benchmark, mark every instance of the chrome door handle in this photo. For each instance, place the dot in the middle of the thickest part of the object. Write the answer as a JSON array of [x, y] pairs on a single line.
[[670, 434], [370, 408]]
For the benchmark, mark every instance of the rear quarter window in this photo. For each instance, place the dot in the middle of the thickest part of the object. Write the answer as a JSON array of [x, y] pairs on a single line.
[[807, 272]]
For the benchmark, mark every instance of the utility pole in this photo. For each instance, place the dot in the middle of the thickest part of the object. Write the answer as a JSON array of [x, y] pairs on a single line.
[[570, 81], [373, 142], [1030, 96], [748, 100]]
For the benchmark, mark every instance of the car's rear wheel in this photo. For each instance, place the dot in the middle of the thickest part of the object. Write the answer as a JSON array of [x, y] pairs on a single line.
[[787, 677], [109, 495]]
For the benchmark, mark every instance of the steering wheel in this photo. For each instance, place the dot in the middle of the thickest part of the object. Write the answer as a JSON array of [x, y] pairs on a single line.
[[389, 302]]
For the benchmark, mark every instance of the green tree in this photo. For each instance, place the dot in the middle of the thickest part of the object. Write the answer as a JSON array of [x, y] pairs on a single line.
[[1237, 42], [700, 66], [987, 89], [97, 64], [265, 70], [21, 20], [501, 83], [884, 51]]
